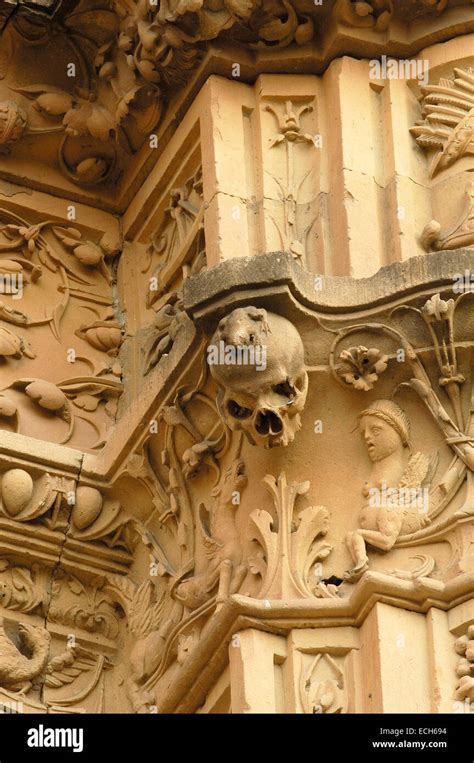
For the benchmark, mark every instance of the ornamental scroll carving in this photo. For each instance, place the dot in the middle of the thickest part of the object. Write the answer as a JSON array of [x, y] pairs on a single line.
[[73, 399], [129, 59], [221, 527]]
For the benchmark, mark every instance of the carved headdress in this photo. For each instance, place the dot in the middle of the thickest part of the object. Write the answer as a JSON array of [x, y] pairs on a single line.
[[393, 415]]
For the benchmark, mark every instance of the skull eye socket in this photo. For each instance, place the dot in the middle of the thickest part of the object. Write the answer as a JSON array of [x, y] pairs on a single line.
[[285, 389], [238, 411]]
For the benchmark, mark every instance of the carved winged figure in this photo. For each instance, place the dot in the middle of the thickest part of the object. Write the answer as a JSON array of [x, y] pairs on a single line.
[[396, 493]]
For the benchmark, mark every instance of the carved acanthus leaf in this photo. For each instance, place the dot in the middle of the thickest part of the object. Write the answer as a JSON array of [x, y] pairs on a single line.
[[292, 549]]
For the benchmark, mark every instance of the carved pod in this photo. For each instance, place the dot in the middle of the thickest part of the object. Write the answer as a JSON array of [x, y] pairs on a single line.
[[17, 490], [87, 507]]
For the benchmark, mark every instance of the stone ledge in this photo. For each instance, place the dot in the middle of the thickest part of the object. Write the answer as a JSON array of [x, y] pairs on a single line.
[[339, 294], [188, 688]]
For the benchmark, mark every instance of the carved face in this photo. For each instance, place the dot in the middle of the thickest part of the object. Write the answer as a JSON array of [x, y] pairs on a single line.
[[262, 375], [380, 438]]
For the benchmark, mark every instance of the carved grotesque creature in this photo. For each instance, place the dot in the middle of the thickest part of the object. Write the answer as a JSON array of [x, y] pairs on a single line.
[[225, 569], [396, 493], [221, 575], [259, 364], [17, 670]]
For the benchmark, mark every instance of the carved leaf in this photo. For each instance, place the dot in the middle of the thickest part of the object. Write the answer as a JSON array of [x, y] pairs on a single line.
[[261, 524], [313, 523], [69, 236], [33, 91], [99, 24]]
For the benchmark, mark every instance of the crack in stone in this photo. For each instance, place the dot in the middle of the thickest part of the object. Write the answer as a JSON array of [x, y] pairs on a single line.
[[54, 571]]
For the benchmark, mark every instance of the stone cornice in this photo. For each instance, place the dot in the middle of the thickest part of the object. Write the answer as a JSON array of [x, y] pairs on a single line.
[[288, 289], [205, 293], [188, 689]]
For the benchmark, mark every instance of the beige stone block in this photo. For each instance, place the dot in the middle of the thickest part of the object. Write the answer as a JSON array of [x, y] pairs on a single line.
[[393, 646], [256, 674]]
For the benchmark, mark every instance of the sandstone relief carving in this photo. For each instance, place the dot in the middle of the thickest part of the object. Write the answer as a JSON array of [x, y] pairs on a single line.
[[446, 131], [322, 685], [17, 671], [465, 668], [403, 502], [29, 673], [438, 316], [394, 490], [237, 446], [178, 242], [162, 333], [130, 59], [362, 366], [222, 543], [45, 258], [287, 555], [293, 232], [263, 397]]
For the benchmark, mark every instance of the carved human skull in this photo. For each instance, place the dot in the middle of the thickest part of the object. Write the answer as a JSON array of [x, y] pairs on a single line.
[[257, 358]]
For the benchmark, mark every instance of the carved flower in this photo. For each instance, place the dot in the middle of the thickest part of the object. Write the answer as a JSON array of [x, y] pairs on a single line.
[[89, 119], [12, 122], [31, 236], [437, 309], [86, 252], [366, 365], [22, 235]]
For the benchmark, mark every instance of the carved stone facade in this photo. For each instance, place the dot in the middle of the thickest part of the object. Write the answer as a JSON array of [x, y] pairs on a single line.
[[237, 356]]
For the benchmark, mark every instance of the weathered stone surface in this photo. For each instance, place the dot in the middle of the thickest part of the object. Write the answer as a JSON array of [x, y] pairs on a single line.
[[236, 357]]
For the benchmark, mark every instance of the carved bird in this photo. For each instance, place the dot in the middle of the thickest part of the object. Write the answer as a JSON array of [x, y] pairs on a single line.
[[17, 671]]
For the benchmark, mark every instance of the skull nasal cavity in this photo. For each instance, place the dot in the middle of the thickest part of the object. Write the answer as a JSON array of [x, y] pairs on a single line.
[[268, 422]]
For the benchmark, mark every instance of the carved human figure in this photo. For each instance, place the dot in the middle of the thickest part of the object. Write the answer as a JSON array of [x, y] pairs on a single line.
[[395, 492]]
